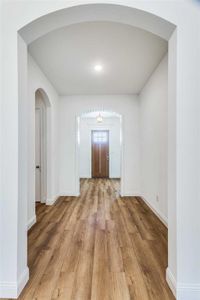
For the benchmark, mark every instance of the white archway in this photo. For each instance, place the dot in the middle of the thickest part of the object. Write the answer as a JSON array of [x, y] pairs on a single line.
[[97, 12], [45, 168], [123, 14], [121, 133], [90, 12], [184, 117]]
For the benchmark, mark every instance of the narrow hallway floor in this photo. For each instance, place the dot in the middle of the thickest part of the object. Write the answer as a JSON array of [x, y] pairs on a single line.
[[97, 246]]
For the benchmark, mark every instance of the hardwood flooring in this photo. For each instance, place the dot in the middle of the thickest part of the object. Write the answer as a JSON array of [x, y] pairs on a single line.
[[97, 246]]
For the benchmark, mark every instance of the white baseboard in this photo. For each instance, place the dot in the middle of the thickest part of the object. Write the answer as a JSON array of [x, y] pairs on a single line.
[[31, 222], [188, 292], [13, 289], [51, 201], [182, 291], [130, 194], [162, 218], [171, 281], [69, 194], [62, 194]]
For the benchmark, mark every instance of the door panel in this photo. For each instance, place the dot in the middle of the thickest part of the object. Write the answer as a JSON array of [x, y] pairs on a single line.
[[37, 155], [100, 153]]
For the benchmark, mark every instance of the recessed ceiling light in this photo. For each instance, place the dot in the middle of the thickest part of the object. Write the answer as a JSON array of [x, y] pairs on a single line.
[[98, 68]]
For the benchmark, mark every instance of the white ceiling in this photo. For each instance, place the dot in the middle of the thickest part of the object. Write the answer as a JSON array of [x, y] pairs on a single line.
[[128, 55]]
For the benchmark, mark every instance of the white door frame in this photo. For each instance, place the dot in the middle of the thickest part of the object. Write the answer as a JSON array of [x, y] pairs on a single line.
[[38, 194], [41, 105], [77, 147]]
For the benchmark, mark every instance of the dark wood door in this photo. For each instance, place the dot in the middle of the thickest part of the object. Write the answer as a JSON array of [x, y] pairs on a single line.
[[100, 153]]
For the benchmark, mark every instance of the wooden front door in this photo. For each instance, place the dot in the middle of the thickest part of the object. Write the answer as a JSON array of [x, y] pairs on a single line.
[[100, 153]]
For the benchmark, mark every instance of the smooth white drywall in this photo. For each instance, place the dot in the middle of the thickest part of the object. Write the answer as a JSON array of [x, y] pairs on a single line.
[[22, 153], [73, 106], [13, 250], [37, 80], [86, 126], [153, 139], [172, 165]]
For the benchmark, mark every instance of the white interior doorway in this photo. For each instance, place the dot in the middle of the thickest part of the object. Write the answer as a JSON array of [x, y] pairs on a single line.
[[100, 121], [155, 18], [40, 148], [38, 196]]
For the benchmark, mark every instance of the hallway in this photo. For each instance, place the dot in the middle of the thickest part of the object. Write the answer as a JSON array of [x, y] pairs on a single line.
[[97, 246]]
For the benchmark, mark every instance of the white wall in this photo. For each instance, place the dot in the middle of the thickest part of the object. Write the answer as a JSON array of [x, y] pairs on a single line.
[[72, 107], [36, 79], [86, 126], [153, 139]]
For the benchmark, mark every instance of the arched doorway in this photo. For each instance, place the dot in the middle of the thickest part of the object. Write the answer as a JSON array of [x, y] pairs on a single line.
[[173, 45], [41, 128], [92, 162], [126, 16]]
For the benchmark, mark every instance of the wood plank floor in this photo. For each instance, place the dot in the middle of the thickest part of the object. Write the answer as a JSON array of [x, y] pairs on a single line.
[[97, 246]]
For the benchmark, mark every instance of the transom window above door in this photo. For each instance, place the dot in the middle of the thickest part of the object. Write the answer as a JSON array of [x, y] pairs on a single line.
[[100, 137]]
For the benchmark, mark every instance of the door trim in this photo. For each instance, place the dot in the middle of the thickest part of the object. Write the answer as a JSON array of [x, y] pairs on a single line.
[[77, 151], [41, 106], [40, 150]]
